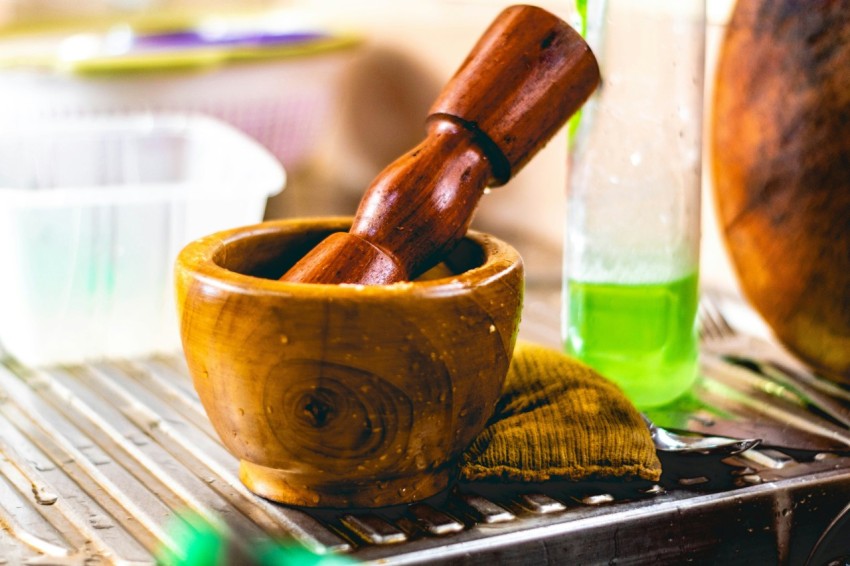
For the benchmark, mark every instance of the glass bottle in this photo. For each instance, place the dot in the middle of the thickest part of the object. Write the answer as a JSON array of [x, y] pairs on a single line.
[[633, 196]]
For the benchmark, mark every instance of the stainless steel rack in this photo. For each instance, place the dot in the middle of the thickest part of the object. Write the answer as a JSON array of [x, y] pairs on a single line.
[[96, 460]]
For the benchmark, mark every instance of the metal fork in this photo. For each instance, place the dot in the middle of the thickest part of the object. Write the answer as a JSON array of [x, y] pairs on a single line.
[[721, 339]]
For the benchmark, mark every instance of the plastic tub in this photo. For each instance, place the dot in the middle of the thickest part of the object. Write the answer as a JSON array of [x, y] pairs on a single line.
[[279, 88], [92, 215]]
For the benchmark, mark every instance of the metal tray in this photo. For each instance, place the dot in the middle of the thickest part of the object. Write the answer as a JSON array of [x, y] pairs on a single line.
[[95, 460]]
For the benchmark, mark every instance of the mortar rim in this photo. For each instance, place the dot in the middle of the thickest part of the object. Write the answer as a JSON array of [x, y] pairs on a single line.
[[198, 261]]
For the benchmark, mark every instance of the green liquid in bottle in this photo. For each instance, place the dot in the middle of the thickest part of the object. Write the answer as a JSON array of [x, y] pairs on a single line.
[[641, 336]]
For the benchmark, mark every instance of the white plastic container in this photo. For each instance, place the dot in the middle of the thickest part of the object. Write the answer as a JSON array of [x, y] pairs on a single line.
[[92, 215]]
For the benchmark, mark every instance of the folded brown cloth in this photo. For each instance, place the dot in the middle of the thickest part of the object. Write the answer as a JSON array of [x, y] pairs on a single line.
[[558, 419]]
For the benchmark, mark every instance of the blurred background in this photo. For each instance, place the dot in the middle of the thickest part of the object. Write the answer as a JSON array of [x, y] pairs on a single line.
[[377, 90]]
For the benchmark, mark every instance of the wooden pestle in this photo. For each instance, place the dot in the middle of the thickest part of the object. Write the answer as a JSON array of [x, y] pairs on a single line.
[[524, 78]]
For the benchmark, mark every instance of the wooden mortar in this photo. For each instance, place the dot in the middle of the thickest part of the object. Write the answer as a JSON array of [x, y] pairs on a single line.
[[345, 395]]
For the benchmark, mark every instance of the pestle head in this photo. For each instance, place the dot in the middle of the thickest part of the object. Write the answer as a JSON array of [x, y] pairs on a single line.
[[524, 78]]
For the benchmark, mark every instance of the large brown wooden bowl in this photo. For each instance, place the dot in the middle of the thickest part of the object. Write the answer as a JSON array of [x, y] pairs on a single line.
[[345, 395]]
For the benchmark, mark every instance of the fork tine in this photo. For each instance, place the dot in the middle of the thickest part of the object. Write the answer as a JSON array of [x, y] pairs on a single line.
[[712, 324], [707, 331]]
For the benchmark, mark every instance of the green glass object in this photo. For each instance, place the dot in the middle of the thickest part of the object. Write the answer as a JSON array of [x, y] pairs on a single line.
[[197, 542]]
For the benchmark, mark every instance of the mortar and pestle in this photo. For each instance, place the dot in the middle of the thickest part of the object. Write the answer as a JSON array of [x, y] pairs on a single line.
[[335, 373]]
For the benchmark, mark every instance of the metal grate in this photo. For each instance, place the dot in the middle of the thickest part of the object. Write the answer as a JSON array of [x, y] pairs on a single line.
[[95, 460]]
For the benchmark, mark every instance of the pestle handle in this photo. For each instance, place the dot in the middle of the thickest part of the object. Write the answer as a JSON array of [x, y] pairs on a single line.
[[523, 79]]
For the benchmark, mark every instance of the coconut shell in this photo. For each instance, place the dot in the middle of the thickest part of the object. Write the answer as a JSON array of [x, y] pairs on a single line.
[[781, 163]]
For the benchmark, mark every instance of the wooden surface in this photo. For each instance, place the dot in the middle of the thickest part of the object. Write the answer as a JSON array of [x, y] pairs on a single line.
[[345, 395], [524, 78], [781, 174]]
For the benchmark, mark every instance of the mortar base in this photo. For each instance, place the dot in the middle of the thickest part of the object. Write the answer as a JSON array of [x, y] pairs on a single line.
[[307, 490]]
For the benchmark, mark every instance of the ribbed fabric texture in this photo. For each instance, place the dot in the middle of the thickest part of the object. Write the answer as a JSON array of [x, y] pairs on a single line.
[[558, 419]]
